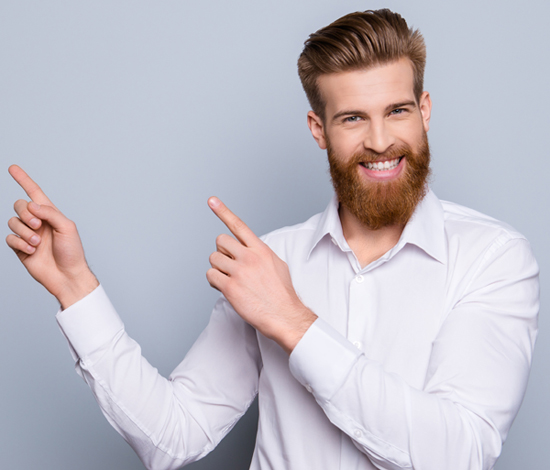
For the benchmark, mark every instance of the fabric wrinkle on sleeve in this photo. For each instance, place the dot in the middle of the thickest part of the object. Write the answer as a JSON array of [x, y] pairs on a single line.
[[168, 422], [322, 360], [475, 382]]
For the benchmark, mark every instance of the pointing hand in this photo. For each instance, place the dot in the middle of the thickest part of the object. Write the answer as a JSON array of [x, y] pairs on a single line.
[[48, 244], [256, 282]]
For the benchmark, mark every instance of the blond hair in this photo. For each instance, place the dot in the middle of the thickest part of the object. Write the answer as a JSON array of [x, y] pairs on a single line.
[[359, 41]]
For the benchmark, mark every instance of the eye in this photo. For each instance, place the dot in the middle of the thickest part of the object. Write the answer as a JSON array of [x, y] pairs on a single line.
[[398, 111], [352, 119]]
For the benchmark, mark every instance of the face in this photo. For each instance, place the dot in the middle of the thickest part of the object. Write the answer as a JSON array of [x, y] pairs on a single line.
[[375, 134]]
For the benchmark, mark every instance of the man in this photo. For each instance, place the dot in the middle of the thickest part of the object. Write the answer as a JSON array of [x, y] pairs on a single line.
[[391, 331]]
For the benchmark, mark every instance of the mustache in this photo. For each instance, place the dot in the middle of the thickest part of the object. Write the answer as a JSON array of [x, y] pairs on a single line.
[[368, 156]]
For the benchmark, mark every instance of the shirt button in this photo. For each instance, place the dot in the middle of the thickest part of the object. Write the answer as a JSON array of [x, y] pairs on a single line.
[[309, 389], [357, 433], [359, 279], [357, 344]]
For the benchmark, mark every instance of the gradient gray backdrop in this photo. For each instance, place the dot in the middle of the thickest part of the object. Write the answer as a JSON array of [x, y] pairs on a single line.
[[131, 113]]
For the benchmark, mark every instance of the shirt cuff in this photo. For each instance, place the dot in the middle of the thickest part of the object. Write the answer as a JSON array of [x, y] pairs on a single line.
[[90, 323], [322, 360]]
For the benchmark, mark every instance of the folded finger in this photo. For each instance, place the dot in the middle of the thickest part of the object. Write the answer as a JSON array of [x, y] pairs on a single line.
[[227, 245], [22, 210], [23, 232], [221, 262], [216, 279], [53, 216], [19, 245]]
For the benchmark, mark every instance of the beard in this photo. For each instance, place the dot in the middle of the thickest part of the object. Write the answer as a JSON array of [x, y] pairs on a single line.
[[378, 204]]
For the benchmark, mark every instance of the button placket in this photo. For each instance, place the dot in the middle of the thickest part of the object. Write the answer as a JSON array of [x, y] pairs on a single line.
[[360, 309]]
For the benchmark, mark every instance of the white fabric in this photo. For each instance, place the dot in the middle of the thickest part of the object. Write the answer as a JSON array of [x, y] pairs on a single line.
[[420, 360]]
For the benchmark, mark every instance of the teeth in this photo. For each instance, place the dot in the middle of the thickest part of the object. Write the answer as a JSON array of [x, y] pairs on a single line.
[[383, 166]]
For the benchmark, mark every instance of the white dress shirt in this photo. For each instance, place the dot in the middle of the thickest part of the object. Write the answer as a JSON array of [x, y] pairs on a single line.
[[417, 361]]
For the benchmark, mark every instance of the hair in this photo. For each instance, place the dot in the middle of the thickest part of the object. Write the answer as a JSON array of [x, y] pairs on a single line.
[[358, 41]]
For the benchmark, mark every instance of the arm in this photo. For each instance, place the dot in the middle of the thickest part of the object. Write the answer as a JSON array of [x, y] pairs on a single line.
[[476, 377], [168, 422], [256, 282], [474, 385]]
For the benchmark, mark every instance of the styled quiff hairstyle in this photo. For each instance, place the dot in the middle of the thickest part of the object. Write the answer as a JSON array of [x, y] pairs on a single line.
[[359, 41]]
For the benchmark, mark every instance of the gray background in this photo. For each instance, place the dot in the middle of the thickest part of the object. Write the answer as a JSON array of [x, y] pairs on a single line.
[[131, 113]]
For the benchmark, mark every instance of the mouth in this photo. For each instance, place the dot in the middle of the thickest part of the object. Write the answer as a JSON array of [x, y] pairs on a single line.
[[386, 170], [382, 166]]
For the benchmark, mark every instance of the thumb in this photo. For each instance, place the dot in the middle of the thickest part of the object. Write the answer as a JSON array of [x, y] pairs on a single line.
[[55, 218]]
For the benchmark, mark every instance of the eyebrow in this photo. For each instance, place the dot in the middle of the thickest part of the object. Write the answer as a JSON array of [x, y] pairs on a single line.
[[352, 112]]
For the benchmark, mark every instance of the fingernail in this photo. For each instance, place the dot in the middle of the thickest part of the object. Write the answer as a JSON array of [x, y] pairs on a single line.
[[35, 240], [31, 249], [34, 206], [34, 222], [213, 202]]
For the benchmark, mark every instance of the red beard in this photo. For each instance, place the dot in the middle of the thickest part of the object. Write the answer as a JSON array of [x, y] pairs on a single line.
[[384, 203]]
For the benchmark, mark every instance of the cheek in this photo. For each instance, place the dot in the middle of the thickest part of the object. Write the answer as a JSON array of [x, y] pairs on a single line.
[[345, 141], [412, 134]]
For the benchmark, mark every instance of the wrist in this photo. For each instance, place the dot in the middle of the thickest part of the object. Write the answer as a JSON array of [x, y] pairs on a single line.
[[74, 291], [291, 336]]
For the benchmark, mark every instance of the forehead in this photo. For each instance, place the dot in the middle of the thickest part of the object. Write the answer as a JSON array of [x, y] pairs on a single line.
[[370, 90]]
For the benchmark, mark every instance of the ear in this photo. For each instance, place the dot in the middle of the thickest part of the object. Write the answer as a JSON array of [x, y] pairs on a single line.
[[425, 109], [316, 126]]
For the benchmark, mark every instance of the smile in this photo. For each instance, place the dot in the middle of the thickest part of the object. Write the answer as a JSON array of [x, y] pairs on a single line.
[[382, 166]]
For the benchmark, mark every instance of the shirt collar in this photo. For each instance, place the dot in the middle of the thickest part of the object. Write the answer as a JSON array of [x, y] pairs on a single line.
[[425, 229], [329, 224]]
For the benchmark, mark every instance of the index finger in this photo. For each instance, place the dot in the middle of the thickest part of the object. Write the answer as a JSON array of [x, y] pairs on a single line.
[[30, 187], [237, 227]]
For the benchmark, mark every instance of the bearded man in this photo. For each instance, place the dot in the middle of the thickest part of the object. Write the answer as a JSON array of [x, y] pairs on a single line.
[[391, 331]]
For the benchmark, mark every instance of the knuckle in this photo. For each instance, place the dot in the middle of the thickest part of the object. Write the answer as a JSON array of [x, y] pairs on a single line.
[[229, 289], [255, 257], [210, 277], [264, 249], [248, 256]]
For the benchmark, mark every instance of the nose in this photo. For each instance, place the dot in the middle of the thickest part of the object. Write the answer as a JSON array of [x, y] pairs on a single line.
[[378, 137]]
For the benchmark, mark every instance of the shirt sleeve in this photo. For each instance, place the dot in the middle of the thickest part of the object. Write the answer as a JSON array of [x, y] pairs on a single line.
[[168, 422], [475, 382]]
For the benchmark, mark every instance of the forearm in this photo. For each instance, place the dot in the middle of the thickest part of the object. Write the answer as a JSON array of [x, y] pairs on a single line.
[[399, 426], [449, 400], [168, 422], [142, 406]]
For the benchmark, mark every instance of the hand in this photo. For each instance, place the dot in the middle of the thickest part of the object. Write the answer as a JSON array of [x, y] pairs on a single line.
[[48, 244], [257, 282]]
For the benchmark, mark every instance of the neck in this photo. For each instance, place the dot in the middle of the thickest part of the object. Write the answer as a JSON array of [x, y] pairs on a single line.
[[368, 245]]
